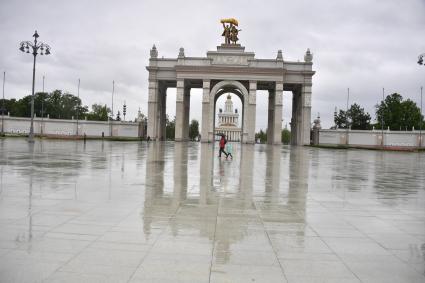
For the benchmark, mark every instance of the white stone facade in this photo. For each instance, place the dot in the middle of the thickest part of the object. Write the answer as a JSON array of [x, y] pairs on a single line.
[[59, 127], [228, 121], [230, 69], [374, 139]]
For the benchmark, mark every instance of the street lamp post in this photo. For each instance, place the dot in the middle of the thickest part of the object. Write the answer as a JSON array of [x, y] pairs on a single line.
[[36, 48], [124, 110], [42, 111], [421, 59]]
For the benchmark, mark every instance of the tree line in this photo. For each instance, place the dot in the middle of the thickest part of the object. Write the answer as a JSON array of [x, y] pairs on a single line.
[[55, 105], [394, 113]]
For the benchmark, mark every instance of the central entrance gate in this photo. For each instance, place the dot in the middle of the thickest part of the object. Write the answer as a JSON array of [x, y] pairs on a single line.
[[230, 69]]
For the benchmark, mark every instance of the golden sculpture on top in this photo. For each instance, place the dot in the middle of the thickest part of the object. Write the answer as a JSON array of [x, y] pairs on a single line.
[[230, 31]]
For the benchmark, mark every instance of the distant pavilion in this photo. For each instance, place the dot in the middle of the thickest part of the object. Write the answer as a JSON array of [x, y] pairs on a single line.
[[228, 121]]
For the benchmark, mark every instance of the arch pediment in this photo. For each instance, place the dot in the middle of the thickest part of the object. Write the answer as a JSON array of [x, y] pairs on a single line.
[[228, 86]]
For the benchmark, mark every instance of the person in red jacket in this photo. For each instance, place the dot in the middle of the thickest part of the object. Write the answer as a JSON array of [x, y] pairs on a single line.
[[222, 144]]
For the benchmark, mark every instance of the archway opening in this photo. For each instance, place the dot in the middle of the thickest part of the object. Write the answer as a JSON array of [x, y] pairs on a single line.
[[170, 110], [195, 115], [239, 89], [261, 119], [286, 116], [228, 115]]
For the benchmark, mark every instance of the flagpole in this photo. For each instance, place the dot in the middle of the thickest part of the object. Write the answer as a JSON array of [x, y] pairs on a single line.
[[420, 125], [382, 117], [42, 109], [346, 115], [113, 89], [112, 110], [2, 107], [78, 105]]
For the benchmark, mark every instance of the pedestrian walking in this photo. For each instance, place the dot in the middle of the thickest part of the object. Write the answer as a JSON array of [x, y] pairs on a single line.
[[222, 145], [229, 149]]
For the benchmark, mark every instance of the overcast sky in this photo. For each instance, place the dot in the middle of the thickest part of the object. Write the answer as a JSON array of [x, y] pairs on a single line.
[[361, 44]]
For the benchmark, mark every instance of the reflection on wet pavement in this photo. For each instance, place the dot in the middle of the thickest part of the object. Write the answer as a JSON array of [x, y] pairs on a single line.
[[174, 212]]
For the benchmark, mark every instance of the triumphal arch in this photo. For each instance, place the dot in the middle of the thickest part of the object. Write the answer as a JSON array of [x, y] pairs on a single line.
[[230, 69]]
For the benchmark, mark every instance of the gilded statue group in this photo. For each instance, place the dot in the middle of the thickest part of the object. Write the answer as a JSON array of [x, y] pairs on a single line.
[[230, 31]]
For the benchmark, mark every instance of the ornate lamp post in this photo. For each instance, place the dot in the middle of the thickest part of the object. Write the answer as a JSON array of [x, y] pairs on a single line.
[[421, 59], [36, 48], [421, 62]]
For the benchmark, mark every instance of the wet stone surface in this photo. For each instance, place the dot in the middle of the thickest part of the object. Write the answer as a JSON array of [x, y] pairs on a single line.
[[175, 212]]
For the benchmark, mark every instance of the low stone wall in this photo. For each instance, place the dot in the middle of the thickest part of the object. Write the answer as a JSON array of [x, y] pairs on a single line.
[[371, 139], [58, 127]]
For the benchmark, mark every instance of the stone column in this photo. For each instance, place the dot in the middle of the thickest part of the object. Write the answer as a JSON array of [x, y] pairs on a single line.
[[206, 136], [249, 114], [153, 109], [270, 117], [296, 118], [161, 112], [306, 114], [277, 131], [179, 111], [186, 115]]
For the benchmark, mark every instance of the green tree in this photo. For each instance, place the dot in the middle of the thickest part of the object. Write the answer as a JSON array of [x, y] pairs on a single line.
[[8, 106], [99, 113], [262, 136], [358, 119], [194, 129], [341, 119], [170, 128], [398, 114], [54, 105], [70, 105], [286, 136], [22, 107]]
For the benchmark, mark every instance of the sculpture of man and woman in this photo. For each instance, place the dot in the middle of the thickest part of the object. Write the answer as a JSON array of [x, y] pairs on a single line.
[[230, 31]]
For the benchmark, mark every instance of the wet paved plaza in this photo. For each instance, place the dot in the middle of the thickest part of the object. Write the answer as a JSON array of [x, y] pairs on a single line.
[[175, 212]]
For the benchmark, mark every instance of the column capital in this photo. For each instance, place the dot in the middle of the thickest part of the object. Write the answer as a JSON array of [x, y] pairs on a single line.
[[180, 83], [180, 91], [153, 91], [252, 85], [279, 86], [206, 84], [278, 98], [306, 88]]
